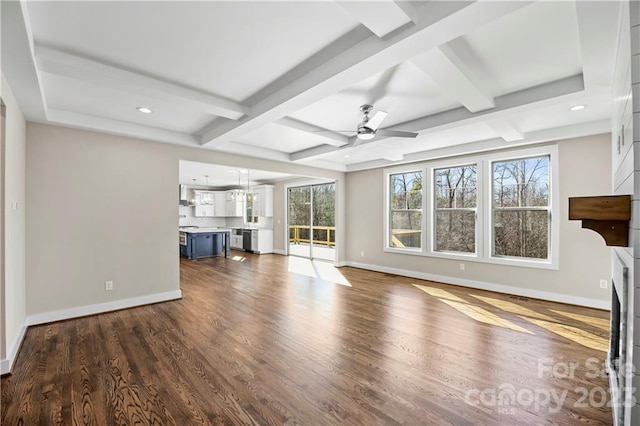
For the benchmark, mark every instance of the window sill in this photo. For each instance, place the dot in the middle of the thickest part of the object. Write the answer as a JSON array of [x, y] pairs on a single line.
[[472, 257]]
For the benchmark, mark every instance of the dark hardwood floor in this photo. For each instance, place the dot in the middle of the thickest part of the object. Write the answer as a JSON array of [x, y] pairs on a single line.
[[252, 343]]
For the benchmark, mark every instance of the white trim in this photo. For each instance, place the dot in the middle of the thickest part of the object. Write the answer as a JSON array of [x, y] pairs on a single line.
[[481, 285], [310, 183], [6, 365], [484, 207], [280, 252], [99, 308]]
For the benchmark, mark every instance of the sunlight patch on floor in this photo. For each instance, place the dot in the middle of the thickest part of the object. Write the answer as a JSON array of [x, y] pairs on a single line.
[[573, 333], [315, 269], [512, 307], [484, 316], [238, 258], [602, 323], [438, 292]]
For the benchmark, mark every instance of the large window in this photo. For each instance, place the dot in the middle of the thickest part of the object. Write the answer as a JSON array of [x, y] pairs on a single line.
[[455, 195], [405, 210], [495, 208], [521, 213]]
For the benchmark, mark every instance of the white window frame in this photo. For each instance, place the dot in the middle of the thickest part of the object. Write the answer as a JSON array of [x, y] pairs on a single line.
[[387, 214], [432, 211], [484, 217]]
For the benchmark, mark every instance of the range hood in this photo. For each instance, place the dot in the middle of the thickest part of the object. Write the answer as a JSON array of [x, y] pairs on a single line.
[[183, 198]]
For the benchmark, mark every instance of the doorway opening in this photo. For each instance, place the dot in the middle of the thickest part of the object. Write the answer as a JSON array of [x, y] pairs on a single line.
[[311, 221]]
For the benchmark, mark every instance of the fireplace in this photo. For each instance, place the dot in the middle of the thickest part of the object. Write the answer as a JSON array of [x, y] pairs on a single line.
[[620, 376]]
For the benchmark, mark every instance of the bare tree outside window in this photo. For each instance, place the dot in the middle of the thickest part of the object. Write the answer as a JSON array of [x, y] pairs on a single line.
[[521, 210], [406, 210], [455, 194]]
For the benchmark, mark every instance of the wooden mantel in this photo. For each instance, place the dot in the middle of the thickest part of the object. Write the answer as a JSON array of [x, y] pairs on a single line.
[[608, 215]]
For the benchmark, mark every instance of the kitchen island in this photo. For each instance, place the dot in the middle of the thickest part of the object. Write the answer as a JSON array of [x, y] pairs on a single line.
[[205, 242]]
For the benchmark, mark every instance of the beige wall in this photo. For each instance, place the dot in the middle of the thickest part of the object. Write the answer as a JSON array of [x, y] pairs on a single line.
[[585, 169], [13, 270], [102, 207]]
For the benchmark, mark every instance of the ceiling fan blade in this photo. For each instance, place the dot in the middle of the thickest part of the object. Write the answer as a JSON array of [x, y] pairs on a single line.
[[333, 131], [375, 121], [395, 133], [379, 90]]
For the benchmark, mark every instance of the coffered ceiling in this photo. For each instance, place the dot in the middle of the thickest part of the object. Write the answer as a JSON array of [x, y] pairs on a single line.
[[285, 79]]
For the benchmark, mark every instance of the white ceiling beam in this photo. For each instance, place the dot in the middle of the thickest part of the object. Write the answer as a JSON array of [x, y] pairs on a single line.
[[332, 138], [121, 128], [597, 30], [506, 129], [18, 61], [381, 17], [449, 71], [313, 152], [252, 151], [540, 136], [437, 23], [524, 100], [74, 66]]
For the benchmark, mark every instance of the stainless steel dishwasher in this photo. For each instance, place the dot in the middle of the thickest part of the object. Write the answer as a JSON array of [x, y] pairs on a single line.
[[246, 239]]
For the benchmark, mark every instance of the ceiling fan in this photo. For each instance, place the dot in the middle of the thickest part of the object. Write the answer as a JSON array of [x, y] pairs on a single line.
[[368, 128]]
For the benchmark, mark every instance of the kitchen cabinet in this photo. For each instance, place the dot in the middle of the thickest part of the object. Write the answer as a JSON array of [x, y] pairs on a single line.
[[235, 203], [236, 239], [235, 195], [203, 198], [204, 211], [205, 245], [220, 203], [260, 203], [262, 241]]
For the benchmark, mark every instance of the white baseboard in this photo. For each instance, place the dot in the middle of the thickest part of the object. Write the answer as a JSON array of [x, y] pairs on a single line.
[[6, 365], [99, 308], [278, 251], [498, 288]]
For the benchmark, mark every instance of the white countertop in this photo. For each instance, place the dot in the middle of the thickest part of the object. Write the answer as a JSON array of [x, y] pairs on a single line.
[[203, 230]]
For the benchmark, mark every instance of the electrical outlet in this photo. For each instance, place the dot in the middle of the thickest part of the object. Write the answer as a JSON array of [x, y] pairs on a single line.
[[108, 285], [361, 254], [603, 283], [462, 266]]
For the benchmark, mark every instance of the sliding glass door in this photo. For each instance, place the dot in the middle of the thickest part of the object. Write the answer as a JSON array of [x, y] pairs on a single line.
[[312, 231]]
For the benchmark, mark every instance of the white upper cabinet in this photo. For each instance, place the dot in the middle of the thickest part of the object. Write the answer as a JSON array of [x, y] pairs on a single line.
[[204, 210], [203, 198], [220, 203], [262, 201], [235, 203], [204, 203]]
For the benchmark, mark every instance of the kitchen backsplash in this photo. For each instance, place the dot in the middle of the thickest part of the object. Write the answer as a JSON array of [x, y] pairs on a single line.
[[188, 219]]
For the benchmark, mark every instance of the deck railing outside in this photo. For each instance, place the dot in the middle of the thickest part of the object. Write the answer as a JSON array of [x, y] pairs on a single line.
[[296, 237], [404, 234]]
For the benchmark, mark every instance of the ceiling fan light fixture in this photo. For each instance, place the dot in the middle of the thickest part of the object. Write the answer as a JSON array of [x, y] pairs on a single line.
[[365, 133]]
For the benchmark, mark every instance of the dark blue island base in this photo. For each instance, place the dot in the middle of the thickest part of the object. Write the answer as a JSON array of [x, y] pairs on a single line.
[[206, 244]]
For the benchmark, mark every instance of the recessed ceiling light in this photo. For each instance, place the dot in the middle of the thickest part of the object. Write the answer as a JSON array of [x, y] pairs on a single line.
[[144, 110], [347, 156], [577, 107]]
